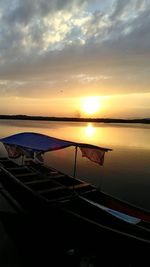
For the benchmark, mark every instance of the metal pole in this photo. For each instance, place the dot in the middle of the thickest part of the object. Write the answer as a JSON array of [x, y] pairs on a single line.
[[22, 160], [75, 162]]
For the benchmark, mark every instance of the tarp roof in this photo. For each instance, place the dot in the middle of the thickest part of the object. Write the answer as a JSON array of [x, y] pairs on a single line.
[[41, 142]]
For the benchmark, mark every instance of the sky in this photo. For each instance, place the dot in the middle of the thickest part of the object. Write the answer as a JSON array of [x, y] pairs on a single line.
[[75, 58]]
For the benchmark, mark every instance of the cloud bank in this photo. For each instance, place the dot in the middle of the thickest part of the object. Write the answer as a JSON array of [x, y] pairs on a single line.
[[50, 48]]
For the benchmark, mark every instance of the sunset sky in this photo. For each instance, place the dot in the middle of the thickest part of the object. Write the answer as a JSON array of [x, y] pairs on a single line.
[[75, 58]]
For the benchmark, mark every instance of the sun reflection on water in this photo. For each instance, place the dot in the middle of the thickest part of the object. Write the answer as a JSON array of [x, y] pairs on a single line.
[[90, 130], [92, 134]]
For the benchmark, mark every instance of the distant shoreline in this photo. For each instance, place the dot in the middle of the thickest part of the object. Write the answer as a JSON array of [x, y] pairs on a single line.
[[101, 120]]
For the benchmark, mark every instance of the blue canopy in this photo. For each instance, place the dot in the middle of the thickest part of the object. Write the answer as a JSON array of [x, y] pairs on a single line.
[[36, 141], [41, 142], [28, 143]]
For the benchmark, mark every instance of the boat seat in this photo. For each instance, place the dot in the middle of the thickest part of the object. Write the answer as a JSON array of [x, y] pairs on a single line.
[[20, 171], [26, 174], [8, 164], [57, 194], [3, 159], [18, 168], [67, 181], [83, 188], [47, 190], [37, 181], [55, 175], [40, 168], [29, 177], [42, 185]]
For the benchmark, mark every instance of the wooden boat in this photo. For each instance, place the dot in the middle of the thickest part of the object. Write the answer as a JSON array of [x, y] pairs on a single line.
[[73, 210]]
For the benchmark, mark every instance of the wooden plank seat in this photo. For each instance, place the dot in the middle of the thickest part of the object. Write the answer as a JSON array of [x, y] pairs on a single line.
[[67, 180], [83, 188], [37, 181], [55, 175], [40, 168], [29, 177], [40, 185], [19, 171], [3, 159], [58, 193], [8, 164], [27, 174], [47, 190], [47, 172]]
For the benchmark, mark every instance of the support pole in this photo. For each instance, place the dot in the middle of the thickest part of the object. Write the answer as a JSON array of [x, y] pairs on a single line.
[[75, 162], [22, 160]]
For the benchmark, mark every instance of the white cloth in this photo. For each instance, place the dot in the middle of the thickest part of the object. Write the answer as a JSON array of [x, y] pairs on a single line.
[[39, 158], [93, 154], [120, 215], [13, 151]]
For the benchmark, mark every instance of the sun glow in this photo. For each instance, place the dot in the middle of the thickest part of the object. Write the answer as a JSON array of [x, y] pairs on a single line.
[[90, 105]]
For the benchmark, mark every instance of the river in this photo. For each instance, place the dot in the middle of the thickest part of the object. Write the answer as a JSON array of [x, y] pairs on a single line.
[[126, 170]]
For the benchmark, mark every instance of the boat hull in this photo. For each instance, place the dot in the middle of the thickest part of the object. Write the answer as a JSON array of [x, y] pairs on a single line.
[[70, 221]]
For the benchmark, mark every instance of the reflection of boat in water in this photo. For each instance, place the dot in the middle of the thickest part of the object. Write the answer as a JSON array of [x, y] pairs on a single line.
[[65, 208]]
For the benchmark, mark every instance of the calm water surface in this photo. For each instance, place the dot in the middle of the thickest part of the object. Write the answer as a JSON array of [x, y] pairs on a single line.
[[126, 170]]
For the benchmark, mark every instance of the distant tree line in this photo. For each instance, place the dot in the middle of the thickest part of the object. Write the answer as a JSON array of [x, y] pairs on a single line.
[[104, 120]]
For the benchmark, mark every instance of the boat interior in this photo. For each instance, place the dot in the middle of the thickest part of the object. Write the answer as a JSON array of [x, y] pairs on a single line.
[[48, 182]]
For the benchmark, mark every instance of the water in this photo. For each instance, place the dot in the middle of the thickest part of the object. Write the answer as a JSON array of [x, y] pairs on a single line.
[[126, 170], [125, 173]]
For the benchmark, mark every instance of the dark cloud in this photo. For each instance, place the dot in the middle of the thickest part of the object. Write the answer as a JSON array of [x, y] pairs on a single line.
[[22, 12], [25, 11], [129, 8]]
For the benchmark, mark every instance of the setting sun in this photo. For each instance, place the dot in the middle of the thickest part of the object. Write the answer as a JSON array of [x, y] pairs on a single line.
[[90, 105]]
